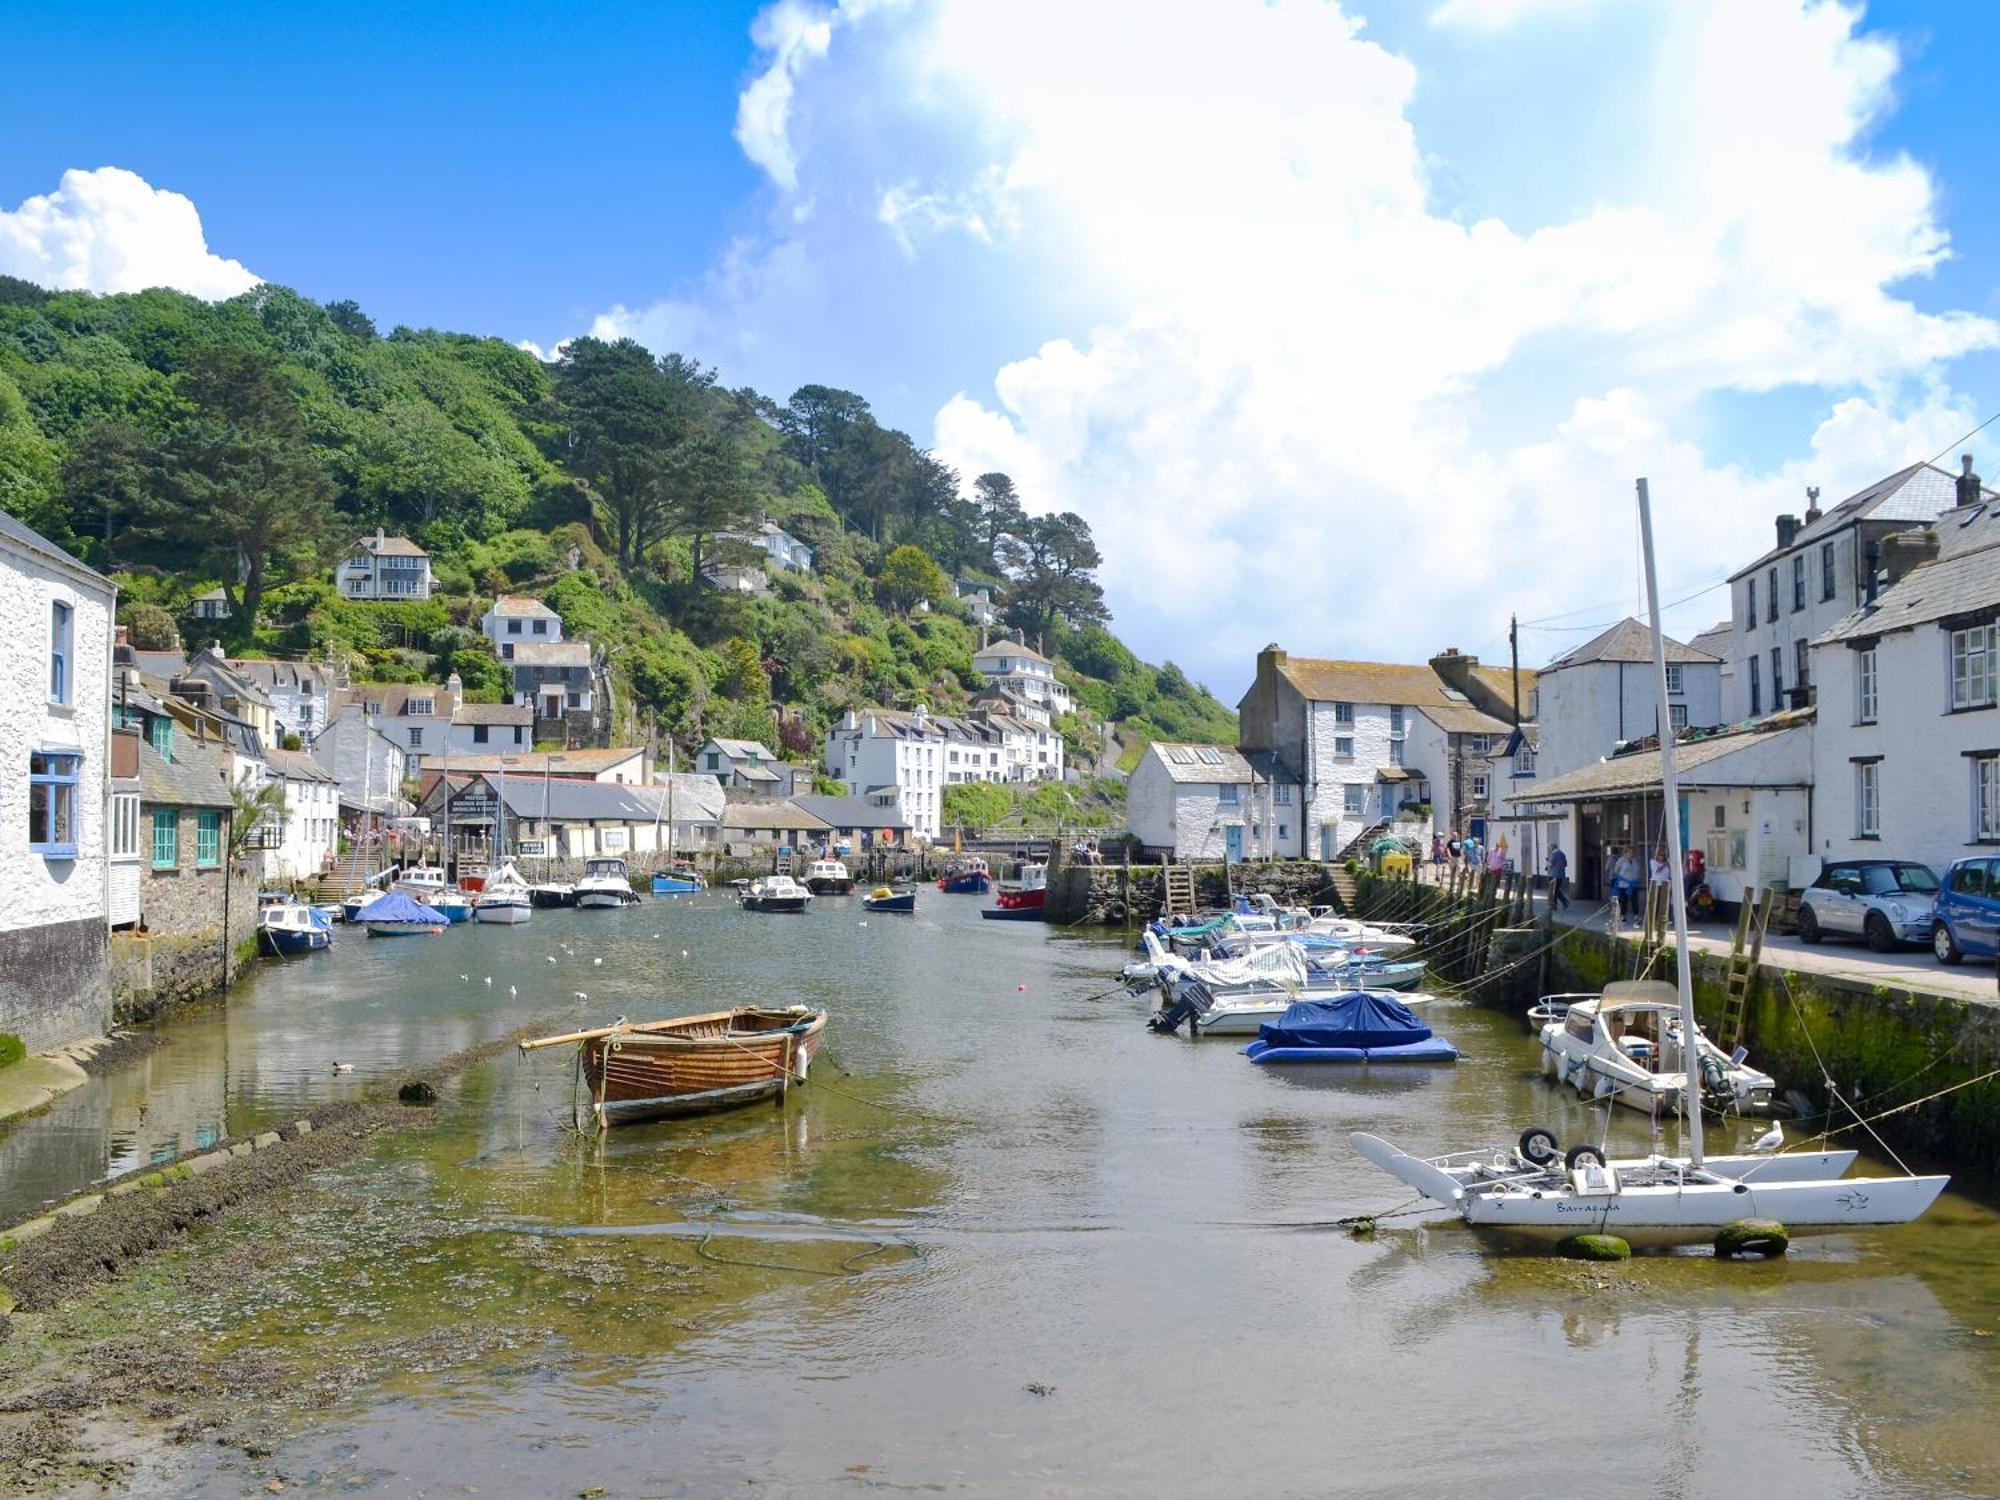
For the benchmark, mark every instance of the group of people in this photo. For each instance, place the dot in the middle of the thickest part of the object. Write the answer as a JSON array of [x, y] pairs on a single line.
[[1470, 852], [1629, 879]]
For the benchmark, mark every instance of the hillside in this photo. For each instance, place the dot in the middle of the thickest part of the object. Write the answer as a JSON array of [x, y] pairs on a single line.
[[182, 445]]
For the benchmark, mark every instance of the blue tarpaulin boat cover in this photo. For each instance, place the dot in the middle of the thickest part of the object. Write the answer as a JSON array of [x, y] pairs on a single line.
[[394, 906], [1359, 1018]]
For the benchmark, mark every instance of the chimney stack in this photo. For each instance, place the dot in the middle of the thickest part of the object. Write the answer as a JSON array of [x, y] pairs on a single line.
[[1813, 511], [1969, 487], [1903, 551], [1454, 668], [1788, 530]]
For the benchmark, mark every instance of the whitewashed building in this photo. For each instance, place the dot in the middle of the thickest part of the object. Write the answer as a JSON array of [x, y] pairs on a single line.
[[1907, 752], [1021, 671], [383, 568], [779, 545], [516, 620], [1605, 693], [917, 754], [746, 765], [1379, 747], [300, 692], [1210, 803], [308, 834], [55, 745], [430, 722], [1823, 568]]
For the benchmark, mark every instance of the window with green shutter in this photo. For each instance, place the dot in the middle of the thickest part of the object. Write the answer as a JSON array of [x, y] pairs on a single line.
[[160, 732], [207, 839], [166, 838]]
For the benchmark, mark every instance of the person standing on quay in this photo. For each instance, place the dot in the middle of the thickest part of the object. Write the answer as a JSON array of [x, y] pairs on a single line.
[[1625, 881], [1558, 879]]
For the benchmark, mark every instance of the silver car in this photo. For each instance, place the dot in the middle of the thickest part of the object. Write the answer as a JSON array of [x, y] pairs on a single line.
[[1882, 901]]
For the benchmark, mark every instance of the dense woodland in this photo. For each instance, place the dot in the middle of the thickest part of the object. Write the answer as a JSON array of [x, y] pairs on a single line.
[[179, 445]]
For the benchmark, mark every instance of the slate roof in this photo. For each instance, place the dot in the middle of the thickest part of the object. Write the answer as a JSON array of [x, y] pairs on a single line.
[[571, 763], [1329, 681], [197, 776], [31, 540], [697, 797], [1640, 770], [161, 664], [494, 713], [1714, 641], [296, 765], [1010, 648], [1629, 641], [520, 606], [853, 812], [1463, 718], [1189, 764], [1964, 583], [270, 674], [780, 813], [572, 801], [745, 749], [1922, 492], [550, 654], [389, 546]]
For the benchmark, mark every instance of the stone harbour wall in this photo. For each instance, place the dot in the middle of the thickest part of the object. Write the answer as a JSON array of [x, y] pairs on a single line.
[[55, 982], [1115, 894], [182, 952]]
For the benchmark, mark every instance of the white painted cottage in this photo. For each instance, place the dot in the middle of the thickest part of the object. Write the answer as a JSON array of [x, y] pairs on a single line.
[[1210, 803]]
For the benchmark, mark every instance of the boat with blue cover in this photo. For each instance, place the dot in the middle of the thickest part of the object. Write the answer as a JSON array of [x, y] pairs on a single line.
[[397, 915], [678, 880], [1366, 1026], [290, 927]]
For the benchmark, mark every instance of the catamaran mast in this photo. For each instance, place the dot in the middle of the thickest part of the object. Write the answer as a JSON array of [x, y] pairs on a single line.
[[1670, 792]]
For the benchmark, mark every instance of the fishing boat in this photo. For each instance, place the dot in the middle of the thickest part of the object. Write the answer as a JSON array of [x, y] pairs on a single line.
[[288, 927], [775, 893], [1625, 1045], [454, 903], [606, 884], [829, 877], [1661, 1199], [680, 879], [505, 899], [890, 899], [966, 875], [1364, 1026], [394, 914], [1020, 899], [693, 1064]]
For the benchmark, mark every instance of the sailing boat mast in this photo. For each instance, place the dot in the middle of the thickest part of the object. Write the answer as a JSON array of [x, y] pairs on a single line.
[[1670, 792]]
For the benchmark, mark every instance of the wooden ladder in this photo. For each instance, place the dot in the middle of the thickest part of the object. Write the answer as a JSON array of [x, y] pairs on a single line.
[[1179, 885], [1746, 951]]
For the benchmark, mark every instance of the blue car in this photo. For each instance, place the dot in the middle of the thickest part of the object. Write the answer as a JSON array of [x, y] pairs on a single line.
[[1966, 920]]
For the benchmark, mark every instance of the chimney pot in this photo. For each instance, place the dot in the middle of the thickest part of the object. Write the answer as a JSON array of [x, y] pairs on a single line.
[[1970, 490]]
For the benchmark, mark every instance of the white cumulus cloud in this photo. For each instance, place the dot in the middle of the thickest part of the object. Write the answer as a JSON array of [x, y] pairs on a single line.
[[109, 230]]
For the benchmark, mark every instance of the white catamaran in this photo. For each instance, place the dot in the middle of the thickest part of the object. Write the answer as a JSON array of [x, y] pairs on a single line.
[[1658, 1199]]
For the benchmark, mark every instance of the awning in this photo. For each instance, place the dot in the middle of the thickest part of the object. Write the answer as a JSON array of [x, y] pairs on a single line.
[[1392, 773]]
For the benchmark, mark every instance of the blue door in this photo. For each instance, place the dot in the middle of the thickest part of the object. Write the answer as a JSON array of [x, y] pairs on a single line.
[[1233, 835]]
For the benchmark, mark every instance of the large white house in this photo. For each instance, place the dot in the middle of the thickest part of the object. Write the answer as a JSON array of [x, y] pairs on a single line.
[[515, 620], [1907, 750], [428, 722], [916, 755], [309, 832], [1022, 672], [55, 743], [380, 567], [1379, 746], [1604, 693], [299, 691], [1210, 803], [1823, 568]]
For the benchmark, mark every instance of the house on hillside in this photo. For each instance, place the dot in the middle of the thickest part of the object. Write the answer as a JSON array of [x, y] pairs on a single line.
[[568, 685], [744, 765], [515, 620], [1016, 668], [1195, 803], [211, 605], [384, 568], [736, 578], [299, 691], [1823, 568], [778, 545], [1906, 754], [432, 722], [55, 793], [1380, 747]]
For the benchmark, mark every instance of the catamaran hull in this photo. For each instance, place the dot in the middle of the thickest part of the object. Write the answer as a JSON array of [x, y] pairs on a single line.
[[1692, 1213]]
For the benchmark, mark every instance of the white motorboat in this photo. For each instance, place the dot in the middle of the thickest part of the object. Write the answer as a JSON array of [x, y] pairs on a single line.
[[1662, 1199], [289, 927], [505, 898], [1242, 1015], [421, 883], [606, 884], [829, 877], [1625, 1046], [776, 893]]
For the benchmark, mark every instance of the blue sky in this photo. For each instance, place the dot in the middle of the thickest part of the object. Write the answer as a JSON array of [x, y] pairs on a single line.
[[1354, 326]]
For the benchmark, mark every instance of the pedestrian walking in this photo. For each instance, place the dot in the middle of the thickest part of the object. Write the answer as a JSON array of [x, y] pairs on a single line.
[[1437, 851], [1625, 881], [1558, 879]]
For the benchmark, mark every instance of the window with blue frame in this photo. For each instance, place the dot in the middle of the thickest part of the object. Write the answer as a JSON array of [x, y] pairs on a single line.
[[61, 632], [207, 839], [166, 838], [52, 778], [160, 735]]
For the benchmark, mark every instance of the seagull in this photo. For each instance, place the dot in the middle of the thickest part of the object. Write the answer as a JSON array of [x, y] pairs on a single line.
[[595, 962], [466, 977], [684, 953], [1769, 1141], [580, 995], [341, 1067], [552, 958], [489, 978]]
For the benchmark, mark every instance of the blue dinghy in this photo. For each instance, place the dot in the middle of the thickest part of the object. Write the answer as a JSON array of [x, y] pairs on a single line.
[[1359, 1026]]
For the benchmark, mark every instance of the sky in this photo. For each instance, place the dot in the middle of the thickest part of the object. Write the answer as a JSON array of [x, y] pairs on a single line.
[[1346, 327]]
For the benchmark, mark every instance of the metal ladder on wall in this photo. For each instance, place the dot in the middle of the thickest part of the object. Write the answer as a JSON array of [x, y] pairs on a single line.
[[1179, 889], [1746, 951]]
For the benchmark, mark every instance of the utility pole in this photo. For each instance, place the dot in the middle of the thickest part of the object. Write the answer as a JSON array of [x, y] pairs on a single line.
[[1514, 653]]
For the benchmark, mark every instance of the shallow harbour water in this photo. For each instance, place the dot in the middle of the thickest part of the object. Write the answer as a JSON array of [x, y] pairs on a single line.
[[1006, 1241]]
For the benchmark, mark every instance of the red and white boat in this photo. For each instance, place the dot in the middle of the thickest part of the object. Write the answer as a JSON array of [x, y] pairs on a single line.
[[1020, 900]]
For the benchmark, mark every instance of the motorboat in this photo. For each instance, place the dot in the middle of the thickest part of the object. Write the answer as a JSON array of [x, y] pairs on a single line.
[[606, 883], [454, 903], [829, 877], [1365, 1026], [396, 914], [693, 1064], [775, 893], [1660, 1199], [678, 880], [890, 899], [505, 899], [421, 881], [1020, 899], [551, 895], [966, 875], [1625, 1045], [1248, 1014], [288, 927]]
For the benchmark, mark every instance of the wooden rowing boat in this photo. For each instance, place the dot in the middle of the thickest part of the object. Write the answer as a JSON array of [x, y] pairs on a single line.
[[688, 1065]]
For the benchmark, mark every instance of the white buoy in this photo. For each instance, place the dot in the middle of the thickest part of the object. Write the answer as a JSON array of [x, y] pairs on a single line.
[[595, 962], [489, 978]]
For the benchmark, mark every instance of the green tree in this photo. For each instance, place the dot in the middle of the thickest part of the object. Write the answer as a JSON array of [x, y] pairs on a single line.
[[151, 628], [241, 484], [248, 809], [483, 674], [623, 417], [1053, 561], [108, 476], [743, 676], [909, 576], [709, 483], [1000, 512], [976, 804]]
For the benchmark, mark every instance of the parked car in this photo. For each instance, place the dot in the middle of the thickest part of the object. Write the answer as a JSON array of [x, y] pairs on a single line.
[[1882, 901], [1966, 920]]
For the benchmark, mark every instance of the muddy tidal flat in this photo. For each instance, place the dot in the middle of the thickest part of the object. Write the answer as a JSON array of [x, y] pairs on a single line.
[[1004, 1242]]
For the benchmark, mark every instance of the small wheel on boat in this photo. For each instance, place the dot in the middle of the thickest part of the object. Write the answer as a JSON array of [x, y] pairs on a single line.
[[1539, 1145], [1583, 1156]]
